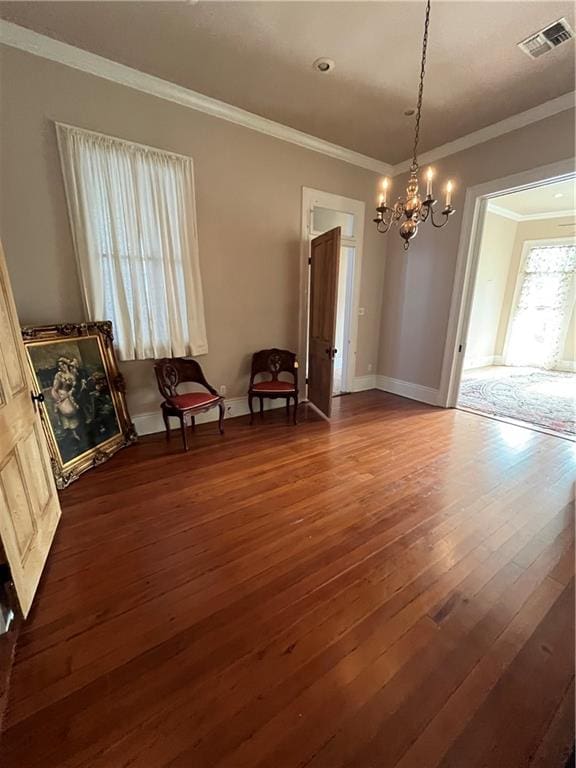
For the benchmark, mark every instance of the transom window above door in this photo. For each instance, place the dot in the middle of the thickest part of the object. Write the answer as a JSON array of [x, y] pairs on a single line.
[[324, 219]]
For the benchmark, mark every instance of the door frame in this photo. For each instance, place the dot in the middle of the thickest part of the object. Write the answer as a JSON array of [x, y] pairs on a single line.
[[310, 198], [474, 213]]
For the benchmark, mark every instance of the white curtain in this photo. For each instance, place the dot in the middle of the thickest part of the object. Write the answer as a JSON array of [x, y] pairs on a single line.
[[133, 218], [544, 307]]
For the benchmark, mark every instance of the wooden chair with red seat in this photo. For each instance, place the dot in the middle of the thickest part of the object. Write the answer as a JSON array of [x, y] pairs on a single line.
[[170, 373], [271, 363]]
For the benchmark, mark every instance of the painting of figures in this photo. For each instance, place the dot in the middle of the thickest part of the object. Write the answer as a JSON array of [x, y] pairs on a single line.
[[81, 395]]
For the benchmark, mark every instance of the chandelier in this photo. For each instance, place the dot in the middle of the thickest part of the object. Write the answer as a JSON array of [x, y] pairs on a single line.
[[411, 209]]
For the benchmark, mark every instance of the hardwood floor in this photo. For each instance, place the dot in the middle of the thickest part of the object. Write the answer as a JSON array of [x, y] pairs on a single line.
[[393, 589]]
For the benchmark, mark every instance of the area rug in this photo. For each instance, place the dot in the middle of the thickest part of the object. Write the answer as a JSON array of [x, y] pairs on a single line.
[[543, 398]]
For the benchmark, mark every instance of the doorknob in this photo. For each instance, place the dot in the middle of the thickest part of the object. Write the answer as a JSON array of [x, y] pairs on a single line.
[[39, 398], [331, 352]]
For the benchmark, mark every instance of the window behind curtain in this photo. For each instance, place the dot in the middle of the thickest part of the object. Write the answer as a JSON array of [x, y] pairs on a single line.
[[544, 306], [133, 219]]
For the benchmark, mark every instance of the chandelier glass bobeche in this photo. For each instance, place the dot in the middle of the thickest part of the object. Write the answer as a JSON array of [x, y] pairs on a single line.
[[411, 210]]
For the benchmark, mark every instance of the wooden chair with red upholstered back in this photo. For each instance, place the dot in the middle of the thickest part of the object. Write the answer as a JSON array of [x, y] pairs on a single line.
[[170, 373], [270, 363]]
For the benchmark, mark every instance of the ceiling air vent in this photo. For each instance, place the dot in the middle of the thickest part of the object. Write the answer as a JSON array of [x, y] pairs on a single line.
[[547, 39]]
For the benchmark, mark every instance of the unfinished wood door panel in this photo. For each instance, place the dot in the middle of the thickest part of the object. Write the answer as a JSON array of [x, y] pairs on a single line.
[[29, 506], [325, 260]]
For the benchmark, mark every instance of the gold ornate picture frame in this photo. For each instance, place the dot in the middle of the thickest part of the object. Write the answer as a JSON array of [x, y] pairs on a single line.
[[80, 393]]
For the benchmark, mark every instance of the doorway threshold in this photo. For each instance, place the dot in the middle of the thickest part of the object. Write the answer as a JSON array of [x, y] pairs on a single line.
[[519, 423]]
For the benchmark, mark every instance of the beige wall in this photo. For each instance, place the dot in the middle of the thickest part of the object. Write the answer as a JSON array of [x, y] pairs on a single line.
[[418, 284], [249, 204], [545, 229], [495, 258]]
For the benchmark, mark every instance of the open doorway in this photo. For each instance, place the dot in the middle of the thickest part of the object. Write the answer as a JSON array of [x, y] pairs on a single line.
[[321, 213], [341, 382], [520, 351]]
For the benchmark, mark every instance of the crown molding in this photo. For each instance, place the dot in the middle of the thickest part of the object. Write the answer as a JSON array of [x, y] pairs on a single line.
[[504, 212], [46, 47], [549, 215], [507, 214], [534, 115]]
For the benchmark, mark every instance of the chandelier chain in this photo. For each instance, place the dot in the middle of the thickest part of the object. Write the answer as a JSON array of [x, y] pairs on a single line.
[[421, 88], [413, 209]]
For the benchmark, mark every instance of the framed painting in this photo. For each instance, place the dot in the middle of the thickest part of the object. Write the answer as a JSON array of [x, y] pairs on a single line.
[[81, 395]]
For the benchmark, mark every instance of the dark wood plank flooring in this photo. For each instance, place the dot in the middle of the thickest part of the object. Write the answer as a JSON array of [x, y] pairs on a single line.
[[395, 589]]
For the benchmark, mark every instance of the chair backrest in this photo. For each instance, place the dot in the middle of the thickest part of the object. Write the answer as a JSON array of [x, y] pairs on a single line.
[[173, 371], [273, 362]]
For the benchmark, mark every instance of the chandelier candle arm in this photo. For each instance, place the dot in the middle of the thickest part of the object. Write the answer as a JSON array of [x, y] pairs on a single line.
[[411, 210]]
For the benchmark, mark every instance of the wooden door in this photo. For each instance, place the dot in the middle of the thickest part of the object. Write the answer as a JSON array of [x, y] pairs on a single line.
[[29, 506], [324, 264]]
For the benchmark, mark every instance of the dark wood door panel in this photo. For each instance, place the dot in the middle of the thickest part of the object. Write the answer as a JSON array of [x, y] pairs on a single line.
[[325, 261]]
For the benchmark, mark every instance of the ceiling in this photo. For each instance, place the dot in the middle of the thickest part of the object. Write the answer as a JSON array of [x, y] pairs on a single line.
[[258, 56], [558, 197]]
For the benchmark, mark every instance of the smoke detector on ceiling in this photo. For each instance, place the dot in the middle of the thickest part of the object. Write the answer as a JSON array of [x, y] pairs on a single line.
[[324, 65], [548, 38]]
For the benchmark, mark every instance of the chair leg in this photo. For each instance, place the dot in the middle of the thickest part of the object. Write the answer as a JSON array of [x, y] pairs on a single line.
[[166, 423], [261, 407], [184, 431], [221, 418], [295, 409], [251, 408], [193, 421], [288, 407]]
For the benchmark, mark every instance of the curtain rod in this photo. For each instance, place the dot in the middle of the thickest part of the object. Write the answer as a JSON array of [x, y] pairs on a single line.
[[147, 147]]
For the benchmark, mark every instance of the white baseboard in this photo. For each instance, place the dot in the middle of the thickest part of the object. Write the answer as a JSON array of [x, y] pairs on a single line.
[[483, 362], [408, 389], [478, 362], [567, 366], [150, 423], [361, 383]]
